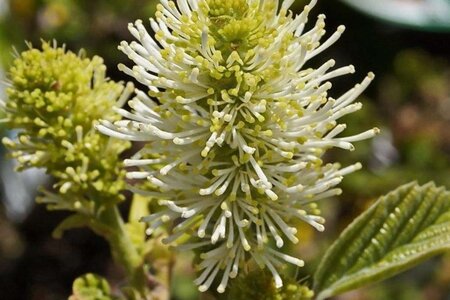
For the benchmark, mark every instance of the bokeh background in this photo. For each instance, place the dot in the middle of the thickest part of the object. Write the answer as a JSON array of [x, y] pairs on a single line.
[[405, 42]]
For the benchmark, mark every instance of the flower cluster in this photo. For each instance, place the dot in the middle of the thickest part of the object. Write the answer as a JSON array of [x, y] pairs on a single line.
[[235, 124], [54, 98]]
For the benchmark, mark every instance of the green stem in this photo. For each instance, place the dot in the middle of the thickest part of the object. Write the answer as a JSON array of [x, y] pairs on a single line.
[[123, 250]]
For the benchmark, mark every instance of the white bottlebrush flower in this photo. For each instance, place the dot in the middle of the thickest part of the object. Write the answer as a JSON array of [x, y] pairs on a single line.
[[235, 124]]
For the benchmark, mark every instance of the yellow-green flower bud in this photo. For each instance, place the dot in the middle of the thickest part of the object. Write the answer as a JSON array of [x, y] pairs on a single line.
[[53, 101]]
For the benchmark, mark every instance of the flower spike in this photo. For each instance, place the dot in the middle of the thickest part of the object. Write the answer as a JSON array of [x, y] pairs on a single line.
[[236, 121]]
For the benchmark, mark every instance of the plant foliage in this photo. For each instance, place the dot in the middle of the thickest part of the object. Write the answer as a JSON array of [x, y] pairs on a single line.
[[402, 229]]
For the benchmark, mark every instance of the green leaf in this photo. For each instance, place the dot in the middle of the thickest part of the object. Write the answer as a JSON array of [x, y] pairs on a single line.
[[80, 220], [91, 287], [139, 208], [402, 229], [73, 221], [136, 228]]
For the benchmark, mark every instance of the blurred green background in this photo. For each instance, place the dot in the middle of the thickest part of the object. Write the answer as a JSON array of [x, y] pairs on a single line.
[[406, 43]]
